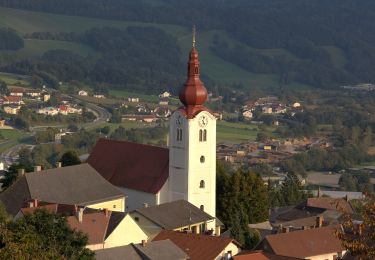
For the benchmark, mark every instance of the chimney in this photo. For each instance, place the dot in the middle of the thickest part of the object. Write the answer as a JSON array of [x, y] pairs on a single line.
[[285, 230], [305, 227], [37, 168], [346, 197], [319, 192], [80, 214], [21, 172], [33, 203], [145, 205], [58, 165], [106, 212], [143, 242], [319, 221]]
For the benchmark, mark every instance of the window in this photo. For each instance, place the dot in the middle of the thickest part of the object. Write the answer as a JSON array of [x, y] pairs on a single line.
[[114, 206], [196, 70], [202, 159], [204, 135], [201, 135], [202, 184], [201, 207], [179, 134]]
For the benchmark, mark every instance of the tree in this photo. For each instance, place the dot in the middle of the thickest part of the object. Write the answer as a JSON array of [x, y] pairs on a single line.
[[42, 235], [3, 88], [70, 158], [11, 175], [359, 239]]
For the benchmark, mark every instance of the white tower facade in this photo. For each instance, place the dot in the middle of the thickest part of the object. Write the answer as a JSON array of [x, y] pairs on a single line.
[[192, 145]]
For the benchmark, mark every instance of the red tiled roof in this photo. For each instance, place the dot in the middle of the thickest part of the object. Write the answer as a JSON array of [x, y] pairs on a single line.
[[13, 98], [306, 243], [94, 225], [197, 247], [131, 165], [330, 203], [63, 108], [260, 255]]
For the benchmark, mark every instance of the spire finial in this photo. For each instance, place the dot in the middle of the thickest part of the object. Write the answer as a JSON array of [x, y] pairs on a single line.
[[194, 36]]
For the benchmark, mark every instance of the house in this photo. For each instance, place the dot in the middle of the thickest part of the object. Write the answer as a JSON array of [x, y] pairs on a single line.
[[162, 111], [165, 94], [247, 114], [267, 110], [33, 93], [16, 92], [296, 104], [104, 228], [66, 185], [17, 100], [133, 99], [63, 109], [142, 118], [156, 250], [99, 96], [74, 110], [164, 101], [202, 247], [178, 215], [260, 255], [316, 243], [2, 122], [83, 93], [51, 111], [12, 109], [46, 97]]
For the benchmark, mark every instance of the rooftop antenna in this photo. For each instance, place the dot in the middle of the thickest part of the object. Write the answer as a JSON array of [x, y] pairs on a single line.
[[194, 31]]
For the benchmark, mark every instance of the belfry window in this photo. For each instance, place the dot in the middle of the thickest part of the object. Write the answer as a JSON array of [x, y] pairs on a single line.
[[202, 135], [202, 184], [196, 70], [179, 134]]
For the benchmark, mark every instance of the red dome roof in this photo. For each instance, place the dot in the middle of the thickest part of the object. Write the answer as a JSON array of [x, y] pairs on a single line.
[[193, 93]]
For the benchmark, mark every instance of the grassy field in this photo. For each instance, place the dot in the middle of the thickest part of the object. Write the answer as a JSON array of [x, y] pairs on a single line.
[[26, 22], [11, 138], [126, 94], [12, 79], [238, 132]]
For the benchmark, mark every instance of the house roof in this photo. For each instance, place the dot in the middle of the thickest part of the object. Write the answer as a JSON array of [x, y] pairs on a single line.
[[175, 214], [260, 255], [131, 165], [306, 243], [330, 203], [197, 247], [72, 185], [164, 249], [13, 98], [94, 225]]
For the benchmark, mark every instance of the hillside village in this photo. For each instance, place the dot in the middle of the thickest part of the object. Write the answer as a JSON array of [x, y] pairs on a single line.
[[141, 201]]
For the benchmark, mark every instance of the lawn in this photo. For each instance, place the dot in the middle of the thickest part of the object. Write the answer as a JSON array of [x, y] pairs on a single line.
[[120, 94], [11, 138], [238, 132], [13, 79]]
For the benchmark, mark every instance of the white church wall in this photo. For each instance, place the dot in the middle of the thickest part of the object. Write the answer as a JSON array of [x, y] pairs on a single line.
[[137, 199]]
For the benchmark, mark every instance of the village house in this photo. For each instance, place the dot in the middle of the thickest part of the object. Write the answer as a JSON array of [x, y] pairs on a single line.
[[247, 114], [33, 93], [104, 228], [99, 96], [162, 111], [178, 215], [199, 247], [261, 255], [165, 94], [267, 110], [65, 185], [17, 100], [17, 92], [46, 97], [2, 122], [141, 118], [83, 93], [164, 101], [12, 109], [317, 243], [51, 111], [156, 250], [133, 100]]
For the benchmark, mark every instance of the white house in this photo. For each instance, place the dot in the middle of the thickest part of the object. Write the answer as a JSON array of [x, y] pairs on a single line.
[[165, 94], [133, 99], [99, 96], [52, 111], [82, 93], [247, 114]]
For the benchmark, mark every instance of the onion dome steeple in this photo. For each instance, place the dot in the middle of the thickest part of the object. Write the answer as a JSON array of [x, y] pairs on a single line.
[[193, 93]]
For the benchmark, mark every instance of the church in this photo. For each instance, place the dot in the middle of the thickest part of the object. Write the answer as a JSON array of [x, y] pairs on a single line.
[[150, 175]]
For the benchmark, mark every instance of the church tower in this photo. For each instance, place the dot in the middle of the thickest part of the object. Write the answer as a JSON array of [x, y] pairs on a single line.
[[192, 143]]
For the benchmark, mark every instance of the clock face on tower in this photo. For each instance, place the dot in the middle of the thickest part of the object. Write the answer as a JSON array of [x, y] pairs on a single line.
[[203, 121]]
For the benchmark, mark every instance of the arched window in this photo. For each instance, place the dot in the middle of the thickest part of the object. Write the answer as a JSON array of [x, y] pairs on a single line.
[[179, 134], [204, 135], [202, 207], [202, 159], [196, 70], [201, 135], [202, 184]]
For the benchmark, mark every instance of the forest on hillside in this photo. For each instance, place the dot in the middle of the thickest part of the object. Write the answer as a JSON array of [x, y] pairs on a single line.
[[307, 30]]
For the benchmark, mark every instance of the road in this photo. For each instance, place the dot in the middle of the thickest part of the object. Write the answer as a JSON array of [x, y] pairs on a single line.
[[10, 155]]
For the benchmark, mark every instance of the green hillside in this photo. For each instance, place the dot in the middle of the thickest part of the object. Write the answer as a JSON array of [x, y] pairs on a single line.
[[27, 22]]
